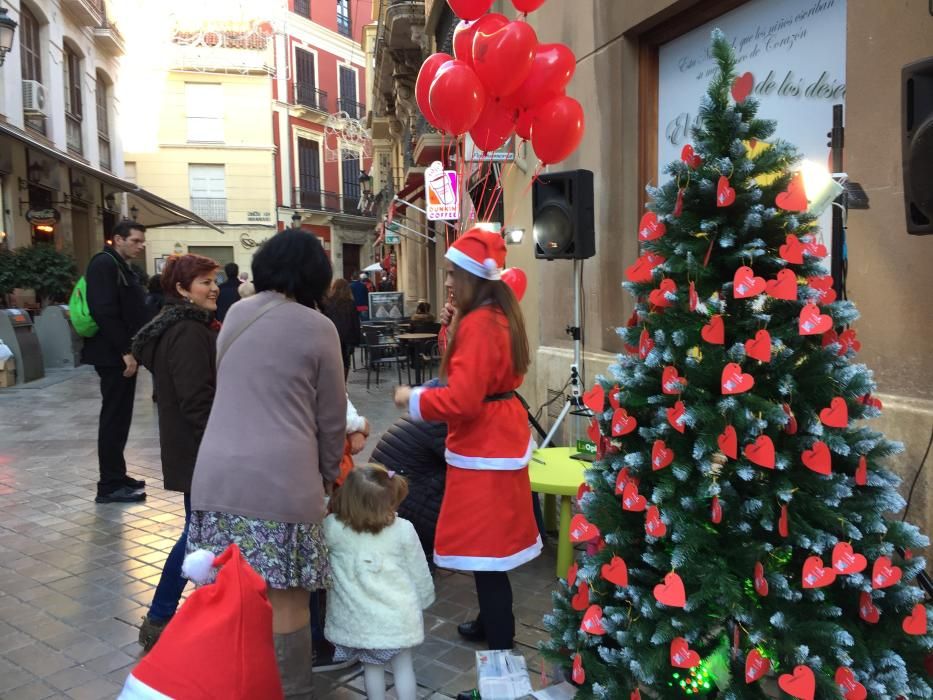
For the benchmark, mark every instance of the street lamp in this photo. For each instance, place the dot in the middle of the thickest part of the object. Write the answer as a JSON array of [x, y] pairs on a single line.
[[366, 183], [134, 212], [296, 220], [7, 28]]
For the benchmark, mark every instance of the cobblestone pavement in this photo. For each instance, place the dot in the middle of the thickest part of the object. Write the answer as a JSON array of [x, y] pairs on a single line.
[[76, 577]]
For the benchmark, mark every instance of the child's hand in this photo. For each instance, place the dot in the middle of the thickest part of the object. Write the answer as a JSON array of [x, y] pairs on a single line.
[[402, 395], [328, 488], [357, 442]]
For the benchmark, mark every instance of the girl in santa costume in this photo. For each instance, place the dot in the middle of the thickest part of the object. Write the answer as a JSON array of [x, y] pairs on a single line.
[[486, 524]]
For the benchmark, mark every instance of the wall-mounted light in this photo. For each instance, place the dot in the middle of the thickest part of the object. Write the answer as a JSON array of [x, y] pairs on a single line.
[[366, 183], [514, 236], [296, 220], [821, 187], [7, 29], [134, 212], [111, 201], [179, 248]]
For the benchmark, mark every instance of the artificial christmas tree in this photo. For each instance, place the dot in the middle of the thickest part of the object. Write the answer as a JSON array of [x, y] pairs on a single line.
[[735, 519]]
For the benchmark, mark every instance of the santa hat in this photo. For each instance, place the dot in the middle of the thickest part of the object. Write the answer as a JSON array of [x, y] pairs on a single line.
[[480, 253], [218, 645]]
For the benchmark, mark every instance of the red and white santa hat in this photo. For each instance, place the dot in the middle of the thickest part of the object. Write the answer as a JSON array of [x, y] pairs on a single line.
[[480, 253], [218, 645]]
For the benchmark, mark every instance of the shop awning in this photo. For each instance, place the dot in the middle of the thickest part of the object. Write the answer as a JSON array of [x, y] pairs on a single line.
[[154, 211]]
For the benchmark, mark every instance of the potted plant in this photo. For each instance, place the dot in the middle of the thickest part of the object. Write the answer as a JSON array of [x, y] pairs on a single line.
[[50, 272]]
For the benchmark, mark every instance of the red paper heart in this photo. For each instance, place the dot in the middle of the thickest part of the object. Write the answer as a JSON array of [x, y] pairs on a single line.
[[688, 156], [631, 500], [848, 341], [813, 247], [783, 522], [661, 455], [581, 600], [622, 423], [836, 415], [716, 511], [815, 575], [592, 431], [595, 399], [866, 608], [657, 296], [692, 295], [817, 458], [734, 381], [725, 195], [849, 688], [615, 571], [916, 622], [756, 666], [682, 656], [671, 381], [572, 573], [759, 347], [614, 397], [761, 452], [593, 621], [742, 87], [869, 400], [654, 526], [578, 675], [801, 683], [795, 197], [729, 442], [812, 322], [884, 574], [622, 479], [642, 270], [650, 228], [714, 332], [792, 251], [784, 286], [679, 203], [761, 583], [584, 488], [846, 561], [645, 344], [823, 285], [791, 427], [746, 285], [636, 695], [675, 416], [861, 473], [671, 592], [582, 530]]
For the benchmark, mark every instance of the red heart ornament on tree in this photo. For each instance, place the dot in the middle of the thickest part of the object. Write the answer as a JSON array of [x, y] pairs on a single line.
[[725, 195], [642, 270], [866, 608], [645, 344], [692, 296], [577, 674], [761, 452], [595, 399], [582, 530], [801, 683], [728, 442], [849, 688], [791, 427], [658, 296], [614, 397], [756, 666], [682, 656], [592, 432], [742, 87], [622, 423], [813, 247], [746, 285], [846, 561], [784, 286], [593, 621], [661, 456], [671, 381], [837, 415], [650, 228], [615, 571], [671, 592], [654, 526], [792, 251], [817, 458], [734, 381], [783, 523], [916, 622], [815, 575], [622, 479], [716, 511], [572, 573], [636, 695], [848, 342], [679, 203], [581, 599], [675, 416], [823, 285], [759, 347], [812, 322], [714, 332], [631, 500], [861, 473], [869, 400], [761, 583], [582, 490], [795, 197], [688, 156], [884, 574]]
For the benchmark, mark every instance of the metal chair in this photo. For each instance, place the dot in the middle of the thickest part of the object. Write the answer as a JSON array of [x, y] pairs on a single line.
[[382, 349]]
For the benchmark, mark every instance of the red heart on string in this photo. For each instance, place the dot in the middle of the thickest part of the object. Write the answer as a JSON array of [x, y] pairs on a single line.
[[761, 452], [756, 666], [654, 526], [636, 695], [679, 203], [817, 458], [622, 479], [848, 341], [725, 195], [631, 500], [642, 270], [688, 156], [658, 297], [692, 295], [869, 400], [716, 511], [593, 621], [784, 286], [794, 198], [823, 285], [815, 575], [682, 656], [801, 683], [734, 381], [581, 599], [614, 397], [861, 473], [622, 423], [582, 530], [572, 573], [714, 332], [661, 455], [592, 431], [675, 416], [836, 415], [728, 442], [746, 285], [846, 561], [615, 571], [866, 608], [650, 228], [849, 688], [742, 87], [791, 427], [645, 344], [595, 399], [783, 522], [583, 489], [792, 251], [884, 574], [671, 381], [578, 675], [759, 347], [813, 247], [916, 622], [671, 592], [812, 322], [761, 583]]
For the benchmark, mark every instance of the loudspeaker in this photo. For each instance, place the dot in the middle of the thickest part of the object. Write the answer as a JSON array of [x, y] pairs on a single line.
[[564, 224], [917, 145]]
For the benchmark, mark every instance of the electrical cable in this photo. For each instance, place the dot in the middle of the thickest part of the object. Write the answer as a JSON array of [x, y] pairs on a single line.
[[910, 494], [557, 396]]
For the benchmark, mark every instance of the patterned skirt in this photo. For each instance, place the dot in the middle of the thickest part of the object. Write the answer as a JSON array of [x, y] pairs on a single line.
[[286, 555], [365, 656]]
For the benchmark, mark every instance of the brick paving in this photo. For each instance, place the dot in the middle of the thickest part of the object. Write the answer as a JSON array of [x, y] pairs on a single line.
[[76, 577]]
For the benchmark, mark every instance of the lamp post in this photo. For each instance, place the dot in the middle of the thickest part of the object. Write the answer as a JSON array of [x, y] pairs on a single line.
[[134, 212], [296, 220], [7, 28], [366, 184]]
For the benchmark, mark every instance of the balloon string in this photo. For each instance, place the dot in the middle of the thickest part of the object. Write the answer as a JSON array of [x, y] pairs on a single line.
[[500, 180]]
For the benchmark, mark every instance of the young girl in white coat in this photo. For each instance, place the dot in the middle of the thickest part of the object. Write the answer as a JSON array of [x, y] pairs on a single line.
[[381, 581]]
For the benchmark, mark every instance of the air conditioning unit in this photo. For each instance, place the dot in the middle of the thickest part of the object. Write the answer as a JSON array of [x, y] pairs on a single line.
[[34, 97]]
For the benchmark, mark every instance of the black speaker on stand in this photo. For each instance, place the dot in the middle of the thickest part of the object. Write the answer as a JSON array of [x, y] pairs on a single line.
[[917, 145]]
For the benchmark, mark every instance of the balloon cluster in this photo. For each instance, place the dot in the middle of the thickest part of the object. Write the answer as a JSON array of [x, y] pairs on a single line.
[[501, 81]]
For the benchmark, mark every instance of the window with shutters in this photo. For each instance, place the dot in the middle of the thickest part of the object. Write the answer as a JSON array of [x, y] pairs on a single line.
[[31, 59], [306, 92], [309, 174], [101, 102], [208, 187], [343, 18], [303, 8], [348, 102], [205, 112], [71, 65], [351, 182]]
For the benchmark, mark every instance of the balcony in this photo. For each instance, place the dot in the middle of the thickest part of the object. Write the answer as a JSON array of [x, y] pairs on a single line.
[[428, 141], [306, 95], [355, 109], [212, 209], [88, 13], [109, 39], [330, 202]]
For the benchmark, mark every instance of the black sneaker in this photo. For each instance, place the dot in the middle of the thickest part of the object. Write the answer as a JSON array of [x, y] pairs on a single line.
[[324, 658], [124, 494], [472, 631], [133, 483]]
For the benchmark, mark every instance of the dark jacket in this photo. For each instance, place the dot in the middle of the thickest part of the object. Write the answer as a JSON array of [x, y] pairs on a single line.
[[229, 295], [154, 303], [346, 319], [179, 347], [360, 294], [117, 302], [416, 450]]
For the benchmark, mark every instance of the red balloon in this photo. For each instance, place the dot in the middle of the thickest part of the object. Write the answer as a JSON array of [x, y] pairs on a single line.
[[465, 31], [523, 123], [493, 127], [470, 9], [503, 58], [527, 6], [423, 85], [457, 97], [557, 129], [551, 71], [517, 280]]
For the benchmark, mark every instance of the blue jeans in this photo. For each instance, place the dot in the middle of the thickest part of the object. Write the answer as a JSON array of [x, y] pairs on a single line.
[[172, 583]]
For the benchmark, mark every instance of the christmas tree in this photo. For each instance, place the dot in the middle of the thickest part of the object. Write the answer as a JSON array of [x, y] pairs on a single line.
[[737, 518]]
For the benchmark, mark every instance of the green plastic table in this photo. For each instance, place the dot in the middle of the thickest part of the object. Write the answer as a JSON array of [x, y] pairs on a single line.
[[556, 474]]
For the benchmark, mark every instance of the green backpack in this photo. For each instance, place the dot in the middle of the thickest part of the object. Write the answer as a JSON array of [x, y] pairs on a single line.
[[84, 324]]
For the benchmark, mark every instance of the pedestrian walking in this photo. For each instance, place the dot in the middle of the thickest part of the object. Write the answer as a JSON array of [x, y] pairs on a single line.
[[360, 292], [341, 310], [154, 296], [229, 290]]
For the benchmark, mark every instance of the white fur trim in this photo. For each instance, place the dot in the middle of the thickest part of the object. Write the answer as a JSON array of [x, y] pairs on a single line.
[[355, 422], [199, 567], [508, 563], [135, 689], [474, 267], [501, 464], [414, 405]]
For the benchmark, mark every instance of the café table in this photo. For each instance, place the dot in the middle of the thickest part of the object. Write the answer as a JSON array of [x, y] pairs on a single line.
[[412, 341]]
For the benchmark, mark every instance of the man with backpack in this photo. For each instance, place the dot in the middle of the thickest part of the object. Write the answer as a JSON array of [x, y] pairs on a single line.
[[116, 302]]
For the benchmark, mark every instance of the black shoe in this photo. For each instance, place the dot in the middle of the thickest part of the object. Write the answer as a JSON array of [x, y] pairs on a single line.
[[324, 658], [472, 631], [133, 483], [124, 494]]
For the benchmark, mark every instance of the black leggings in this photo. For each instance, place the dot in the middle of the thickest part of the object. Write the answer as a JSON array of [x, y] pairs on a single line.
[[495, 607]]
